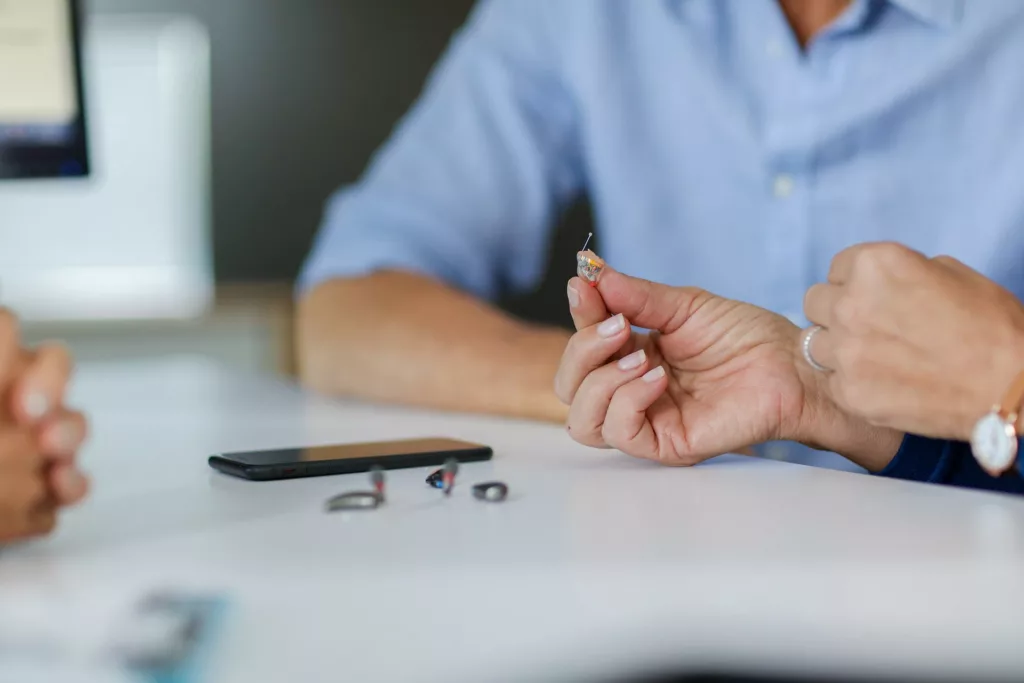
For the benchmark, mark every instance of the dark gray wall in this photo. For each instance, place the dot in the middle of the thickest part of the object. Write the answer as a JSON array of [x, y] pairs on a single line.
[[303, 92]]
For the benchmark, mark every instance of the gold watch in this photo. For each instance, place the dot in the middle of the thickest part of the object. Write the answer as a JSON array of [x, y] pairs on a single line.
[[994, 439]]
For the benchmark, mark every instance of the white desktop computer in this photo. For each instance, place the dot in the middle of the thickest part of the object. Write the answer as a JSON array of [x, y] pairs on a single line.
[[104, 164]]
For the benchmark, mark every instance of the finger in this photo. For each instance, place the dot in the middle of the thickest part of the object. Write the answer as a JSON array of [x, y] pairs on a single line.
[[588, 409], [958, 267], [626, 426], [24, 528], [588, 309], [41, 387], [10, 351], [585, 304], [648, 304], [62, 434], [842, 264], [823, 348], [40, 521], [890, 257], [27, 511], [19, 451], [946, 260], [588, 350], [67, 485], [23, 489], [819, 303]]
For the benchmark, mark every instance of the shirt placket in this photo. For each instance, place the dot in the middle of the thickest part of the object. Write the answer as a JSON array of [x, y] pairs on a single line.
[[787, 178], [810, 87]]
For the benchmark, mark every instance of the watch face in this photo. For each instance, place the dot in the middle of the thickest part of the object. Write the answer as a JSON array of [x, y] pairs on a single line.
[[994, 444]]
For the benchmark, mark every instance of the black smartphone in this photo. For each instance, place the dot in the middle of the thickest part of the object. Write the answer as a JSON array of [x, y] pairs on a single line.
[[315, 461]]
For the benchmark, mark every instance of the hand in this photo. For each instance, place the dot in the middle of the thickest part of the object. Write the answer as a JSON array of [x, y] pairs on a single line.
[[39, 436], [922, 345], [714, 377]]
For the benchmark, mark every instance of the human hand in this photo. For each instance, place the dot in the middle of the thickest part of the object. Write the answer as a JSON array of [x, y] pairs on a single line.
[[715, 376], [39, 436], [922, 345]]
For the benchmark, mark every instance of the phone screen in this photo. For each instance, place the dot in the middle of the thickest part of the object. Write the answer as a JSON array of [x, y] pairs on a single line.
[[352, 451]]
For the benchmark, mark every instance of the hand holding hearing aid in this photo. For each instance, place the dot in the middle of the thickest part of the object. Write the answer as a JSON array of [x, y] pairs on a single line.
[[713, 376]]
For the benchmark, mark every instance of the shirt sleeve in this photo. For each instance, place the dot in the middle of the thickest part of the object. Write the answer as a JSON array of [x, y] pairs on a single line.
[[948, 462], [468, 186]]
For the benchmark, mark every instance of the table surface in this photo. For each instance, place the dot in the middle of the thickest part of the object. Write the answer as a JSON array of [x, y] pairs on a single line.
[[597, 566]]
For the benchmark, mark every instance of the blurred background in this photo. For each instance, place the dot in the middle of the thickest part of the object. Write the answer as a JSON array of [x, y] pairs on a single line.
[[218, 130]]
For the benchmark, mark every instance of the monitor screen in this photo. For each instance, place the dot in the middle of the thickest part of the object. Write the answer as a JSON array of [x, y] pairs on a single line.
[[42, 113]]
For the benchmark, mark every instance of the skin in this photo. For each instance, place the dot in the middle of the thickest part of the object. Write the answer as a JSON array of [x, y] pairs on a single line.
[[39, 437], [421, 342], [808, 17], [921, 345], [715, 376], [405, 338]]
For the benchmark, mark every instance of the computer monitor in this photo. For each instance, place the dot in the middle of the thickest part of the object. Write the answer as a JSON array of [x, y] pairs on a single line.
[[42, 110]]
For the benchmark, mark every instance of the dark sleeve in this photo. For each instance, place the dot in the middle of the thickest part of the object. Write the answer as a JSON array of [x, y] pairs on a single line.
[[948, 462]]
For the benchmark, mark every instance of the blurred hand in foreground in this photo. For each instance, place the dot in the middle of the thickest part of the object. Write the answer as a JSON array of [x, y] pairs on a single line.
[[39, 436]]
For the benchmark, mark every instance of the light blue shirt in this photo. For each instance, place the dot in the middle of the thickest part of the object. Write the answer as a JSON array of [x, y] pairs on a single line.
[[715, 152]]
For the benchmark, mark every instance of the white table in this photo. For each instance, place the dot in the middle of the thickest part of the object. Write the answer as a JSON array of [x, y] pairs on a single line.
[[598, 565]]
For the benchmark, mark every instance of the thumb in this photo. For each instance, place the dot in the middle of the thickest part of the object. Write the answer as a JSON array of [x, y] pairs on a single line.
[[647, 304]]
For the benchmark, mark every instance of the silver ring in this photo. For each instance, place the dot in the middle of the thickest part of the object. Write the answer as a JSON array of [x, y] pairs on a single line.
[[805, 344]]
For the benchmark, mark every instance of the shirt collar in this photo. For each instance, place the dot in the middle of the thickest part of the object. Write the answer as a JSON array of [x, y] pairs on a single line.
[[941, 13]]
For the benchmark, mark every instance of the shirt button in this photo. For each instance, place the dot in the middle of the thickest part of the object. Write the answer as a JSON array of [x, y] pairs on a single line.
[[782, 186], [776, 451], [773, 48]]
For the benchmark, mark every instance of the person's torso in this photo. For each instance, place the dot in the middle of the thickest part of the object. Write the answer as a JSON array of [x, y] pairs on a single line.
[[717, 154]]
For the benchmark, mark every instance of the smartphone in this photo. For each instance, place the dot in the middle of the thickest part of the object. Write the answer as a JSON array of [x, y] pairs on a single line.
[[315, 461]]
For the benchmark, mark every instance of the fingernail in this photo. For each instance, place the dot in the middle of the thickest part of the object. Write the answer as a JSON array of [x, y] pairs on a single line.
[[633, 360], [612, 326], [654, 375], [574, 296], [35, 405]]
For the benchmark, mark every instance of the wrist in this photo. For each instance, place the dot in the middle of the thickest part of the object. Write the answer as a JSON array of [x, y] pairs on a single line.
[[823, 425], [1004, 363]]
